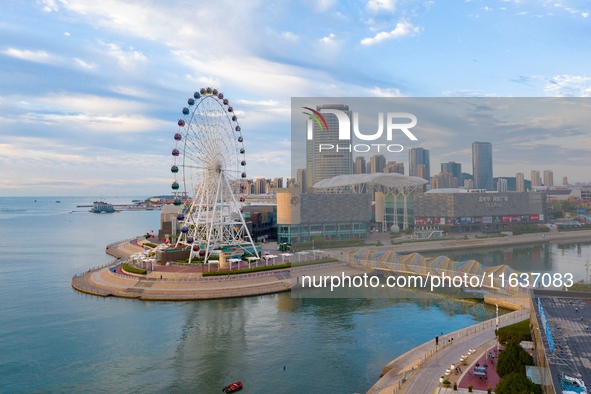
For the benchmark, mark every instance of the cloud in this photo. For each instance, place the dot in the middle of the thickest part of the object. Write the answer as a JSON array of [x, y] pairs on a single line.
[[328, 39], [83, 64], [322, 5], [206, 81], [402, 29], [379, 92], [49, 6], [467, 93], [289, 36], [381, 5], [126, 59], [31, 56], [568, 86]]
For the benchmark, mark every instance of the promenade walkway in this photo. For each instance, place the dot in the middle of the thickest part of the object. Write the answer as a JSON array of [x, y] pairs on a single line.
[[418, 371]]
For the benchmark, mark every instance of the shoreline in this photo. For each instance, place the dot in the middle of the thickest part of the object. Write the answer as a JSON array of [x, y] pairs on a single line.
[[510, 240], [100, 281], [398, 373]]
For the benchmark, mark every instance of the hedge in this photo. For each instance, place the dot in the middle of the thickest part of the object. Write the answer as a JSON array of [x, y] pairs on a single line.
[[133, 270], [248, 270], [319, 261], [514, 332]]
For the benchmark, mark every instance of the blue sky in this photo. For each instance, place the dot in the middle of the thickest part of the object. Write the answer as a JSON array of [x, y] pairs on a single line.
[[90, 91]]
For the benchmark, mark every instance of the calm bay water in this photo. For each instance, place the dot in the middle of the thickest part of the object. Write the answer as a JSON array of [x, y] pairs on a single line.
[[55, 340]]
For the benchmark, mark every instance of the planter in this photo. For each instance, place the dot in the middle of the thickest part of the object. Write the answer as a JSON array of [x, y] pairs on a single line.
[[489, 390], [470, 388]]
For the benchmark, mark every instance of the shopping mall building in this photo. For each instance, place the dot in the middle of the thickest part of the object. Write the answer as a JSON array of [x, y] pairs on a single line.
[[349, 207], [474, 212]]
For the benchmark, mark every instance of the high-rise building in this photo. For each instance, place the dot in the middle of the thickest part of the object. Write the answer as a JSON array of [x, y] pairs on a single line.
[[519, 182], [326, 164], [564, 181], [277, 183], [377, 163], [360, 165], [417, 157], [422, 171], [444, 180], [482, 165], [468, 184], [261, 186], [301, 180], [455, 169], [393, 167], [548, 178], [501, 185], [535, 178]]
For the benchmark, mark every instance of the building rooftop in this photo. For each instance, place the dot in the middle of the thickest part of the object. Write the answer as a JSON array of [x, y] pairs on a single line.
[[378, 178], [568, 315]]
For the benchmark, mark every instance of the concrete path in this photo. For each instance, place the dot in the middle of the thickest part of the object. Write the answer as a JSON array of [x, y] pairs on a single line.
[[434, 362]]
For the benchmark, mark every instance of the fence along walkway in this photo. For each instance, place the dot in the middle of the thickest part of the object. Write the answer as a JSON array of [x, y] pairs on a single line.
[[410, 372]]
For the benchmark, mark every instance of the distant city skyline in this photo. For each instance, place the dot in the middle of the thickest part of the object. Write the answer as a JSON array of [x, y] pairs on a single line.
[[90, 92]]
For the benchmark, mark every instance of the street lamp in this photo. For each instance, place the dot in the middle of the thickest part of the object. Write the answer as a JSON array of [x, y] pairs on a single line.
[[497, 321]]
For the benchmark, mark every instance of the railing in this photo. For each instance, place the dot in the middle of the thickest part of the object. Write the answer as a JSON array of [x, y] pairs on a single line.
[[119, 242], [458, 335], [113, 262]]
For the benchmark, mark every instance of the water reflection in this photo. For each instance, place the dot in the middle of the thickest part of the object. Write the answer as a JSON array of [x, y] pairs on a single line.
[[331, 345], [555, 257]]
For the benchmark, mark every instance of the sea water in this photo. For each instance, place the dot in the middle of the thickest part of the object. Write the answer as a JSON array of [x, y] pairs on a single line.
[[54, 339]]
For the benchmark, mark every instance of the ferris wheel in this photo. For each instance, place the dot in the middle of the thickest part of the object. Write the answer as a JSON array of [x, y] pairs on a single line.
[[209, 169]]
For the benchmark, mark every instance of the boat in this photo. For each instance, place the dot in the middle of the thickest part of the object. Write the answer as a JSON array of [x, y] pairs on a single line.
[[233, 387], [102, 207]]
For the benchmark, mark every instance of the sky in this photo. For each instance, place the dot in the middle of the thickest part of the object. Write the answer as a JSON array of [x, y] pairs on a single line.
[[91, 91]]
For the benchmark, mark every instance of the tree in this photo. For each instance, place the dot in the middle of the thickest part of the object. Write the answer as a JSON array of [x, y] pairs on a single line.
[[513, 359], [318, 240], [446, 228], [516, 383]]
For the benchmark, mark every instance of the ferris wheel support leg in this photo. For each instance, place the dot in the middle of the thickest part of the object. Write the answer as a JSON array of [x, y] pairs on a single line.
[[190, 218], [210, 232], [244, 227]]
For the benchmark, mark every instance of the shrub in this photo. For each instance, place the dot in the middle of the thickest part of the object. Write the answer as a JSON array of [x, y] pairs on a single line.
[[515, 332], [319, 261], [248, 270], [133, 270]]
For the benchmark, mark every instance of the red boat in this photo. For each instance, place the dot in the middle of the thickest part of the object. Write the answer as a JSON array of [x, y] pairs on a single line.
[[233, 387]]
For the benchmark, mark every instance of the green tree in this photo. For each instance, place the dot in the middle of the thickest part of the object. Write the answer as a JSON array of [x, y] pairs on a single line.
[[318, 240], [513, 359], [516, 383]]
